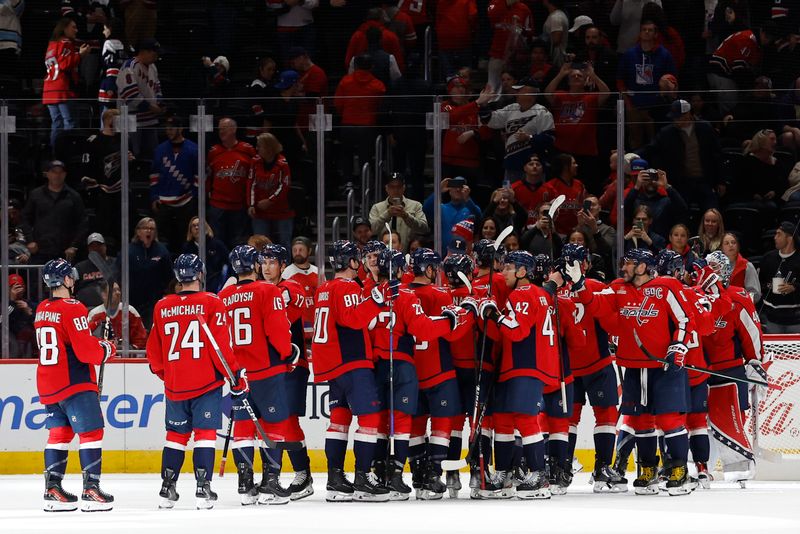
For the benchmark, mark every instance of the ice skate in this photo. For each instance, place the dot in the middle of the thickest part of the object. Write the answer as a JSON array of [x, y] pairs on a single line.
[[93, 499], [433, 488], [560, 477], [367, 488], [498, 486], [398, 490], [169, 494], [607, 480], [338, 487], [704, 478], [678, 482], [270, 490], [647, 481], [247, 488], [453, 484], [302, 485], [204, 497], [56, 498], [534, 485]]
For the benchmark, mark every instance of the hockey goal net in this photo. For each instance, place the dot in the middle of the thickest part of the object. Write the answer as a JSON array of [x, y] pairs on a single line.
[[775, 426]]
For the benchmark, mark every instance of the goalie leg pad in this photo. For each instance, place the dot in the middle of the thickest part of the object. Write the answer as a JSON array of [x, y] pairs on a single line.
[[727, 427]]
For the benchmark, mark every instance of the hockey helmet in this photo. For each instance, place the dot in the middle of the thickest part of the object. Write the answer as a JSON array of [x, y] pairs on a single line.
[[243, 259], [390, 261], [484, 253], [342, 253], [422, 258], [56, 270], [273, 251], [721, 264], [670, 263], [188, 268], [457, 263]]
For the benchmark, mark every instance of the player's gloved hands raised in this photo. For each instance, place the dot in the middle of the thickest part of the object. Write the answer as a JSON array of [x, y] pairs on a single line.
[[241, 386], [574, 272], [386, 294], [109, 349], [470, 305], [294, 357], [676, 355]]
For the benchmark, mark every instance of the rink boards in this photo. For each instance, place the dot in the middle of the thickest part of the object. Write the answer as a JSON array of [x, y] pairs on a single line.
[[133, 408]]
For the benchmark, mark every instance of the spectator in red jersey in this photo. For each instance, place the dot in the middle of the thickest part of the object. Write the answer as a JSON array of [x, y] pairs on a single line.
[[376, 18], [540, 61], [566, 183], [314, 82], [61, 61], [461, 148], [456, 22], [357, 101], [529, 191], [137, 333], [304, 273], [268, 188], [744, 273], [575, 114], [633, 165], [229, 164], [511, 20]]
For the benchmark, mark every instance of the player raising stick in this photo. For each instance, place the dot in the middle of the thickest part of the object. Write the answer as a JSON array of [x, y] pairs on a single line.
[[184, 359], [67, 385]]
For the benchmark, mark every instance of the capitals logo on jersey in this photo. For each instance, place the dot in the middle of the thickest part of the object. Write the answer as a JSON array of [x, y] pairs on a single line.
[[642, 313]]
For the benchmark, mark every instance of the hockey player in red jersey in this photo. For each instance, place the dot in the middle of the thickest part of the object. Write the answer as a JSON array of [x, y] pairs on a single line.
[[274, 259], [595, 379], [399, 328], [736, 348], [343, 357], [655, 394], [528, 363], [184, 359], [368, 272], [262, 344], [67, 386], [465, 358], [439, 397]]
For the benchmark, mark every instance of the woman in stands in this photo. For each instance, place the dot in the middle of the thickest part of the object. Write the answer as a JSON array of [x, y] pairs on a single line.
[[216, 254], [744, 273], [711, 231]]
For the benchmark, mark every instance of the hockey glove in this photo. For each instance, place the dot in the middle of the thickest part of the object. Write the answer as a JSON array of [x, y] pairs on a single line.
[[241, 386], [108, 330], [488, 310], [575, 274], [451, 312], [388, 294], [756, 370], [676, 354], [109, 349], [294, 357], [470, 305]]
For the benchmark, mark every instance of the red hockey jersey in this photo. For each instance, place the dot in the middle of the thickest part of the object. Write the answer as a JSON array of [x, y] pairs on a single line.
[[341, 340], [67, 350], [259, 327], [270, 181], [178, 349], [567, 216], [228, 172], [61, 62], [295, 304], [308, 280], [509, 24], [500, 289], [463, 347], [658, 311], [596, 353], [737, 337], [434, 359]]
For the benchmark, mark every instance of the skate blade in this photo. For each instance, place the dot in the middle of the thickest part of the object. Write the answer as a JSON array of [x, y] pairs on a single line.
[[682, 490], [362, 496], [338, 496], [248, 500], [495, 495], [269, 499], [649, 490], [58, 506], [534, 495], [296, 496], [605, 487], [95, 506], [557, 490], [204, 504], [452, 493], [166, 504], [425, 495], [398, 496]]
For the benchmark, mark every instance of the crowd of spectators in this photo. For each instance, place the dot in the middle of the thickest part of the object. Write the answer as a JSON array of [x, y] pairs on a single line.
[[530, 88]]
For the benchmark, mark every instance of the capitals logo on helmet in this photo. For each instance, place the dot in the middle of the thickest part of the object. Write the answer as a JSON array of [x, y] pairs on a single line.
[[373, 246], [484, 253], [572, 252], [243, 259], [721, 264], [521, 258], [640, 255], [56, 270], [188, 268], [457, 263], [273, 251], [670, 263], [389, 262], [422, 258], [342, 253]]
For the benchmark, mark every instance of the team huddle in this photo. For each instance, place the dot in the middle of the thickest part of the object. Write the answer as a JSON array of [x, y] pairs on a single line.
[[498, 359]]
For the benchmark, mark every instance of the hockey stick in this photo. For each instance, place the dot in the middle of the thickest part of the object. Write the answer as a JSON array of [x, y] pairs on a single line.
[[108, 275], [391, 350], [703, 369], [272, 444], [477, 410], [227, 443], [552, 213], [465, 280]]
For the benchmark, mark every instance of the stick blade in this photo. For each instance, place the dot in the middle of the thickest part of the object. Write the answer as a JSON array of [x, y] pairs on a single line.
[[502, 236], [466, 281], [454, 465], [555, 205]]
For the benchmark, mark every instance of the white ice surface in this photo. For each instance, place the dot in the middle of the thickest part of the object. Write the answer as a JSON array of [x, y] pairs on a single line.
[[764, 507]]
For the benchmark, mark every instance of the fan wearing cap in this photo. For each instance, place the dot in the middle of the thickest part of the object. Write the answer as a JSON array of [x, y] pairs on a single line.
[[528, 127], [403, 214], [665, 203], [216, 73], [56, 217], [778, 273], [460, 207], [88, 286], [510, 20], [688, 150], [461, 146], [140, 89]]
